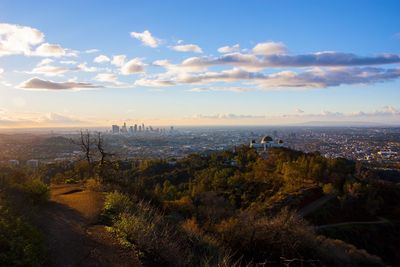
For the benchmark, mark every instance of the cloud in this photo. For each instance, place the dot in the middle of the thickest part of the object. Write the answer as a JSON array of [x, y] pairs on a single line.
[[118, 60], [45, 61], [101, 59], [388, 114], [91, 51], [146, 38], [311, 78], [106, 77], [68, 62], [153, 83], [16, 39], [319, 59], [270, 48], [229, 49], [133, 66], [37, 83], [299, 111], [58, 119], [229, 116], [53, 50], [187, 48], [221, 89], [49, 70], [320, 78], [83, 67]]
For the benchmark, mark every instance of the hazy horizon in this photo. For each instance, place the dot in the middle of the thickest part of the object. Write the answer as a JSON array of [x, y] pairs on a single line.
[[201, 64]]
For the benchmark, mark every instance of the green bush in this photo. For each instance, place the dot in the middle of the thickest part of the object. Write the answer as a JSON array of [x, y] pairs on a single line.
[[37, 191], [20, 243], [117, 203]]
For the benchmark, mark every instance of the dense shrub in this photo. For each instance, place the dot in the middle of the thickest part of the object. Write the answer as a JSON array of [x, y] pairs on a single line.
[[20, 243], [117, 203], [37, 191], [288, 238], [141, 225]]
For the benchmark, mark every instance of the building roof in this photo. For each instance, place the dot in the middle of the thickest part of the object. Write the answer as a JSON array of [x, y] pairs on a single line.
[[266, 139]]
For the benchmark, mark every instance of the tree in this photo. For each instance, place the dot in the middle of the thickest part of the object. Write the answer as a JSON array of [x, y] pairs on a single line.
[[85, 142]]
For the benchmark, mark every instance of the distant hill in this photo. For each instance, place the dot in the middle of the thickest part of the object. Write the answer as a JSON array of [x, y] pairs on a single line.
[[344, 124]]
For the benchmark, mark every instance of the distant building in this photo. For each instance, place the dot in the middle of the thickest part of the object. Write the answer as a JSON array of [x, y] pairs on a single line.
[[13, 162], [131, 129], [135, 128], [124, 129], [33, 163], [265, 143], [115, 129]]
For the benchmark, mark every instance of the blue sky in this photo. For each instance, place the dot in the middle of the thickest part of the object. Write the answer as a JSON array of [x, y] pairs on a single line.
[[295, 61]]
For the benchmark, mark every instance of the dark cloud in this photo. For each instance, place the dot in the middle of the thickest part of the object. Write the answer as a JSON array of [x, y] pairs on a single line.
[[36, 83], [321, 59], [312, 78]]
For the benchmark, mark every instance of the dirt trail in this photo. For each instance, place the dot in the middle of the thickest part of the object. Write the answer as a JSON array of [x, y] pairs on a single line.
[[73, 238], [381, 221], [316, 204]]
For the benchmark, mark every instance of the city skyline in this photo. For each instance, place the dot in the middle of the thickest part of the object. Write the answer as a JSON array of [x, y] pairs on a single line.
[[206, 63]]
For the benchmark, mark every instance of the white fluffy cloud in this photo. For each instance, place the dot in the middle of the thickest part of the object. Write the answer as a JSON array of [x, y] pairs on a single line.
[[270, 48], [229, 49], [28, 41], [187, 48], [37, 83], [133, 66], [101, 59], [85, 68], [118, 60], [15, 39], [53, 50], [146, 38]]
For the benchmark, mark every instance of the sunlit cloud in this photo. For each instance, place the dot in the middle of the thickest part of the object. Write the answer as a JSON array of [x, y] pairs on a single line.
[[270, 48], [53, 50], [229, 49], [133, 66], [16, 39], [146, 38], [101, 59], [118, 60], [187, 48], [48, 70]]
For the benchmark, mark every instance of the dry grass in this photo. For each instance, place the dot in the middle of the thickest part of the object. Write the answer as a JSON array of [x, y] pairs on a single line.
[[88, 203]]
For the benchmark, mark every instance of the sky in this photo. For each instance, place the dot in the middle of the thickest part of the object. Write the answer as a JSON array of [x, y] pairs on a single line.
[[97, 63]]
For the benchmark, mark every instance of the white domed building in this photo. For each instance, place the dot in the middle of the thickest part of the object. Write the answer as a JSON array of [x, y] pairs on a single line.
[[266, 142]]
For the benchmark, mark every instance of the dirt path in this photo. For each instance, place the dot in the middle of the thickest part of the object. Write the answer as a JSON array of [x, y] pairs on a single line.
[[316, 204], [73, 238], [381, 221]]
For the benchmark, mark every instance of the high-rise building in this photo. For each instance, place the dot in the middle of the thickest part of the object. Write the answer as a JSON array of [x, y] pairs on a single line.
[[124, 129], [140, 128], [135, 128], [131, 129], [115, 129]]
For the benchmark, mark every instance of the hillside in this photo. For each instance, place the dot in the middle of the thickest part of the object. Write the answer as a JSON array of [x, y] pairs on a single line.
[[230, 208]]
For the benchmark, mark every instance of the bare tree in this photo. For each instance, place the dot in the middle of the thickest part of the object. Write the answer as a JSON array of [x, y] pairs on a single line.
[[100, 148], [85, 143]]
